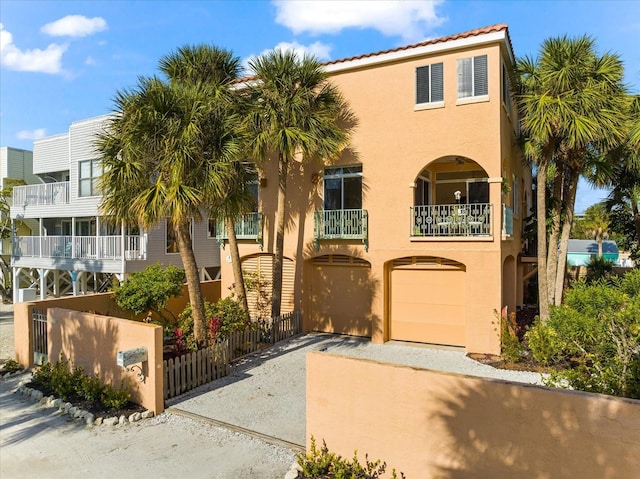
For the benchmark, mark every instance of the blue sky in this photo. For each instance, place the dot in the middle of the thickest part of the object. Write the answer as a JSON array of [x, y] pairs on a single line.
[[63, 61]]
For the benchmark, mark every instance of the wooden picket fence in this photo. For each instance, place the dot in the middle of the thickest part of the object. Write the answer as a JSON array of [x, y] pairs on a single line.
[[191, 370]]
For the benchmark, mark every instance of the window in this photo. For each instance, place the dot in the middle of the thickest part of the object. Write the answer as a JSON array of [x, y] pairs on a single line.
[[172, 238], [473, 187], [343, 188], [506, 88], [212, 228], [472, 77], [89, 173], [429, 84]]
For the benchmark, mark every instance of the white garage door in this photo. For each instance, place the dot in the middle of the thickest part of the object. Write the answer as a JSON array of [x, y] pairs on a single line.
[[427, 299]]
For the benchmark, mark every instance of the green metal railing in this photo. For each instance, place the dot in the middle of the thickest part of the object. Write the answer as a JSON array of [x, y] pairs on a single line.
[[341, 224], [249, 227], [507, 220]]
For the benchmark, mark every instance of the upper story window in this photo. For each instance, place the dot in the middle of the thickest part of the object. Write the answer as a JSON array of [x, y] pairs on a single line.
[[506, 88], [429, 84], [343, 188], [88, 173], [473, 77]]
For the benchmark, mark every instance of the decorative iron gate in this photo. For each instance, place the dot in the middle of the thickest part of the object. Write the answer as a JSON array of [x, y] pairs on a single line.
[[40, 351]]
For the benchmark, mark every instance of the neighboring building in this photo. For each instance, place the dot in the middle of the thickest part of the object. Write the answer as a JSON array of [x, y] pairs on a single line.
[[380, 244], [580, 251], [16, 168], [72, 249]]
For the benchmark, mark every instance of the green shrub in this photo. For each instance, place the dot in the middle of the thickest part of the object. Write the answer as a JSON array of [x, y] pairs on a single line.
[[116, 398], [510, 345], [597, 332], [320, 464], [598, 268], [223, 317], [11, 366], [91, 388]]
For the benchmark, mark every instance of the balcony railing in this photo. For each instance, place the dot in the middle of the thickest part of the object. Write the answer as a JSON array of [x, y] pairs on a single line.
[[341, 224], [81, 247], [507, 221], [249, 227], [451, 220], [37, 195]]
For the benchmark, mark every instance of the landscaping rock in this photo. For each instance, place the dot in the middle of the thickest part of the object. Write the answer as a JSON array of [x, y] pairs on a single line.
[[67, 407], [147, 414], [57, 403], [122, 420], [72, 411], [110, 421], [292, 474], [135, 417], [36, 395], [99, 421], [79, 413], [6, 375], [89, 418]]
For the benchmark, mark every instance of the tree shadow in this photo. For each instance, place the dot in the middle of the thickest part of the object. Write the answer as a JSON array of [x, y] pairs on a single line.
[[500, 429]]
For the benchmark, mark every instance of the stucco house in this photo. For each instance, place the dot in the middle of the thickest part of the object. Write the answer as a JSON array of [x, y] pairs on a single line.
[[71, 249], [415, 234]]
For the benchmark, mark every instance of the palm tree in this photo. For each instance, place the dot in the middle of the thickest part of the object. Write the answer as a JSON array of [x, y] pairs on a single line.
[[571, 103], [295, 111], [596, 223], [206, 64], [236, 202], [163, 155]]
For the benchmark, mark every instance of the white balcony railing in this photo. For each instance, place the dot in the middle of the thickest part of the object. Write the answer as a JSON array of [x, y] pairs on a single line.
[[81, 247], [37, 195]]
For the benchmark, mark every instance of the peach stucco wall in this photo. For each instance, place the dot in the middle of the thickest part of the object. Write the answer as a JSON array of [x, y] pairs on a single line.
[[434, 424], [394, 142], [92, 342]]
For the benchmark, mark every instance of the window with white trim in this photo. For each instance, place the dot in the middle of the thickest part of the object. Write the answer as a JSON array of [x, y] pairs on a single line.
[[88, 173], [473, 77], [429, 84]]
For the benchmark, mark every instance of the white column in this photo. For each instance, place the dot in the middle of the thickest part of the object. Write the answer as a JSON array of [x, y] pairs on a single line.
[[43, 283], [16, 284]]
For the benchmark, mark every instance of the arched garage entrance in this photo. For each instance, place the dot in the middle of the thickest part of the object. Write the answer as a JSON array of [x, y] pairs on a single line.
[[427, 298], [341, 295]]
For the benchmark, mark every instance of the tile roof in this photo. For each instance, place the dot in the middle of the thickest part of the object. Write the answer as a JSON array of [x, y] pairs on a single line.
[[471, 33]]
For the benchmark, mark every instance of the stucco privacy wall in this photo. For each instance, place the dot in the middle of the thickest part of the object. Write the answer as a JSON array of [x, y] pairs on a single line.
[[433, 424], [92, 342], [101, 303]]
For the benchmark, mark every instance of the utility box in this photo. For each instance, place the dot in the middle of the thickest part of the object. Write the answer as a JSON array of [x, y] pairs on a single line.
[[27, 294]]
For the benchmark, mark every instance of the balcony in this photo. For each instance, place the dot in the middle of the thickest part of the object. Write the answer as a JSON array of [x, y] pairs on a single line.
[[249, 227], [459, 220], [81, 247], [341, 224], [38, 195]]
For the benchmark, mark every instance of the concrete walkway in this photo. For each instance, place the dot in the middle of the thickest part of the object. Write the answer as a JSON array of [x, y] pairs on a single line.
[[266, 392]]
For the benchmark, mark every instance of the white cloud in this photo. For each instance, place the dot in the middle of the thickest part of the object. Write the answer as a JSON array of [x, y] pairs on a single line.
[[75, 26], [320, 50], [34, 60], [409, 19], [31, 135], [90, 61]]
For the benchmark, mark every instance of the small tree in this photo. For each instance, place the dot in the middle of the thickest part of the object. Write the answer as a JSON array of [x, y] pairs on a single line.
[[149, 290]]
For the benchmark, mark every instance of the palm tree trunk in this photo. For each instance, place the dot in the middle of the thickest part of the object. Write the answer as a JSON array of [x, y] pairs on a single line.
[[276, 297], [572, 187], [193, 282], [238, 277], [541, 214], [556, 221]]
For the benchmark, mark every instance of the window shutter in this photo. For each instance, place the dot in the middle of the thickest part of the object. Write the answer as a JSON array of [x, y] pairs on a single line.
[[480, 81], [465, 86], [437, 82], [422, 85]]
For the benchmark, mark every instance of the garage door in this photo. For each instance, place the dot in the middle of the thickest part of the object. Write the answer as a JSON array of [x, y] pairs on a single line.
[[341, 293], [427, 299], [258, 277]]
